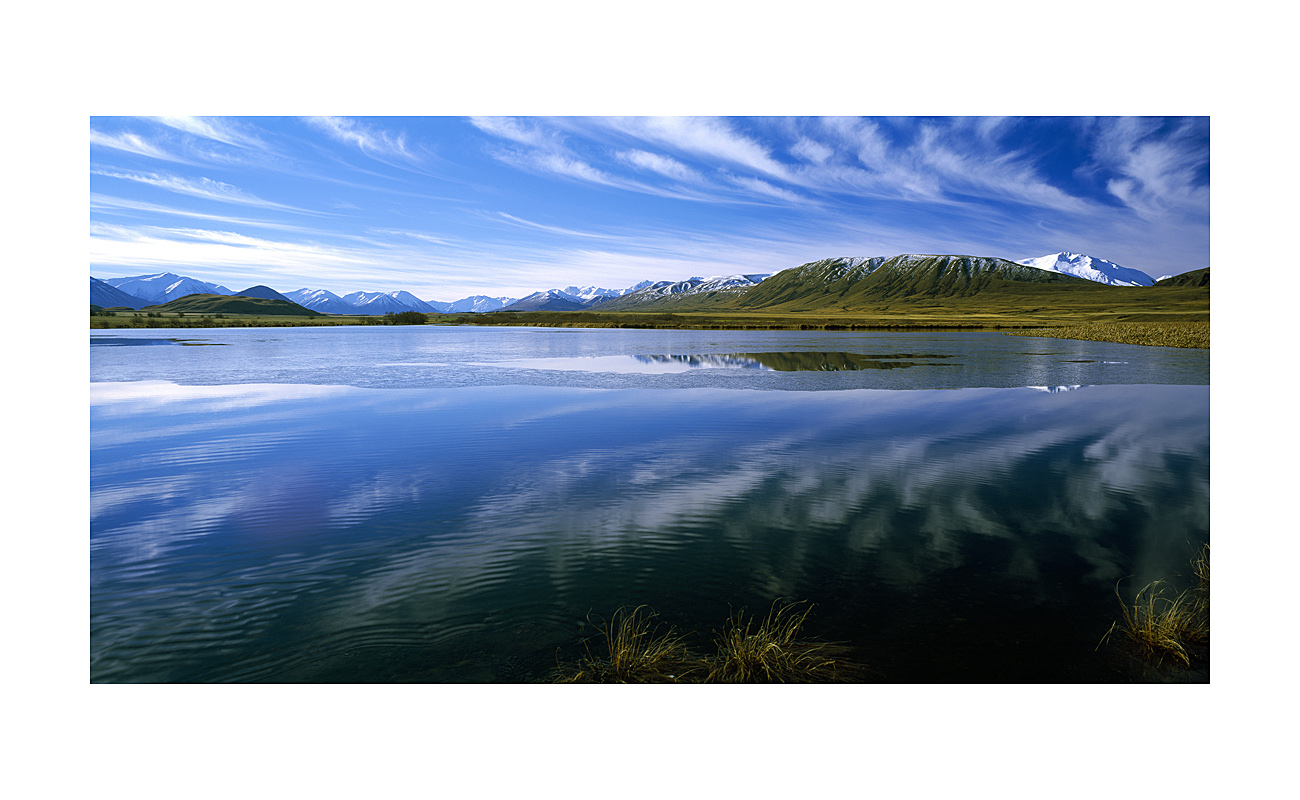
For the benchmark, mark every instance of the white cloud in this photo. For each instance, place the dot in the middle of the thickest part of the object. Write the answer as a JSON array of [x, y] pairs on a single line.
[[1156, 176], [130, 143], [512, 129], [215, 128], [703, 136], [370, 140], [809, 150], [663, 165], [205, 188], [551, 228]]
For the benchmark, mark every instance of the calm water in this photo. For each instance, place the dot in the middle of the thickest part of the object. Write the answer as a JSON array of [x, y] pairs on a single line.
[[460, 504]]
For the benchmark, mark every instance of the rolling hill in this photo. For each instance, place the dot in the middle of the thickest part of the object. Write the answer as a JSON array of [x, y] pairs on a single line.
[[1195, 278], [227, 304]]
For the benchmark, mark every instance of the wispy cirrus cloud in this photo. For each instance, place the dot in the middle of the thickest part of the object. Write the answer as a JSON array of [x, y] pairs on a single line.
[[704, 137], [116, 205], [551, 228], [205, 188], [1156, 173], [369, 139], [132, 143], [218, 129], [663, 165]]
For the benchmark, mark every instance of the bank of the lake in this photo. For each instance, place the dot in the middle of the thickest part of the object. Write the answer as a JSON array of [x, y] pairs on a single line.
[[1162, 333]]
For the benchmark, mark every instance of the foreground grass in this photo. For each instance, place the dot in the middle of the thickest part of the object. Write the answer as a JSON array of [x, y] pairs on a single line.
[[639, 650], [1160, 627], [1155, 334]]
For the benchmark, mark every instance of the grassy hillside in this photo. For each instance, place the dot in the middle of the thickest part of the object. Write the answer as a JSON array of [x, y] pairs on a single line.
[[1197, 277], [222, 304]]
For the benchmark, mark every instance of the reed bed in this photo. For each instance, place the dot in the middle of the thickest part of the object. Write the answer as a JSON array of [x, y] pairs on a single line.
[[1155, 334]]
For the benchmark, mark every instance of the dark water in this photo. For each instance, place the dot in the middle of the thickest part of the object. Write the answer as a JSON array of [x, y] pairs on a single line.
[[414, 504]]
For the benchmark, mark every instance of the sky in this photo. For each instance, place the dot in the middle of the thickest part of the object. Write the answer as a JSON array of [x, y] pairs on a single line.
[[449, 207]]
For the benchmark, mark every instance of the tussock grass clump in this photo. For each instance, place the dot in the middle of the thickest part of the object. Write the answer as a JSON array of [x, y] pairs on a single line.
[[1155, 334], [639, 650], [1201, 569], [773, 653], [1157, 627]]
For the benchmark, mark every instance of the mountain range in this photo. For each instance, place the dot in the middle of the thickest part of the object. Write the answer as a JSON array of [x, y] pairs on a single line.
[[842, 282]]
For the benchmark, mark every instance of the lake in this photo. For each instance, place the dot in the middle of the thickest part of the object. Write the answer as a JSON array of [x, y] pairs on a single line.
[[463, 504]]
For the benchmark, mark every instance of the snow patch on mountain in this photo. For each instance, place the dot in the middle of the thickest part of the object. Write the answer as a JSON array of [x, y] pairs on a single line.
[[164, 287], [1089, 267]]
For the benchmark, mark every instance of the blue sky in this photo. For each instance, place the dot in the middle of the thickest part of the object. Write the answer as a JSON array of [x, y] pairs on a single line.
[[447, 207]]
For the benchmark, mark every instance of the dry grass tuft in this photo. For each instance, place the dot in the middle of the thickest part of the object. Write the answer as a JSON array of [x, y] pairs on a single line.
[[773, 653], [639, 651], [1157, 627], [1201, 570]]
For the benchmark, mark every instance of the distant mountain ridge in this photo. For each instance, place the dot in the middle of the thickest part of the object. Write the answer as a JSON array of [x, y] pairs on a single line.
[[841, 282], [164, 287], [107, 296]]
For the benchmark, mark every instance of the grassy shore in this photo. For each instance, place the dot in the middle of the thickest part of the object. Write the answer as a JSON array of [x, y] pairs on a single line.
[[1160, 316], [1155, 334]]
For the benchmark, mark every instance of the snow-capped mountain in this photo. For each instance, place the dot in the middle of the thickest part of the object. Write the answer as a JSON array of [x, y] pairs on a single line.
[[660, 289], [550, 300], [164, 287], [586, 294], [322, 300], [480, 303], [390, 303], [1094, 269], [106, 296]]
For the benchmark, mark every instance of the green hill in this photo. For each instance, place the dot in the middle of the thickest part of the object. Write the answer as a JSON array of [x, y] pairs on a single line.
[[950, 276], [1197, 277], [816, 285], [223, 304]]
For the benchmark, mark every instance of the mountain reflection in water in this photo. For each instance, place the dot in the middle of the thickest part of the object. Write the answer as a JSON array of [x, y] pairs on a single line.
[[312, 533], [796, 361]]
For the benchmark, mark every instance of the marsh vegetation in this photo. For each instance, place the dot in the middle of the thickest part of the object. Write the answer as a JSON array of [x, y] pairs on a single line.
[[1163, 628], [637, 649]]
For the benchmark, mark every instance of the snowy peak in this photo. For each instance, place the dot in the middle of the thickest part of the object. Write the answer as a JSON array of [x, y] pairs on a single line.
[[321, 300], [106, 296], [164, 287], [550, 300], [1089, 267], [479, 303], [588, 293]]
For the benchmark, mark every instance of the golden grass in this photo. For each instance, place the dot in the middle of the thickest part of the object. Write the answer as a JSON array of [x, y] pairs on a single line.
[[1157, 627], [1155, 334], [1201, 569], [639, 650], [773, 653]]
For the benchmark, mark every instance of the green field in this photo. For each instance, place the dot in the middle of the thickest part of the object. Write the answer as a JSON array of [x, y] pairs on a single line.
[[1165, 315]]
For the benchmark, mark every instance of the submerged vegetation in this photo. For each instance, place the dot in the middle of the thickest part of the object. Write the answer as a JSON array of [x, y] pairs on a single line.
[[639, 650]]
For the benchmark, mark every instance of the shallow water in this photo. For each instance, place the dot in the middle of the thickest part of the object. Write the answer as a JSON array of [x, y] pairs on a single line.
[[264, 511]]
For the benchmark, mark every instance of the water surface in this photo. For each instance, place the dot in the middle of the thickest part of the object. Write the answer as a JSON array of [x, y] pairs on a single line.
[[287, 508]]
